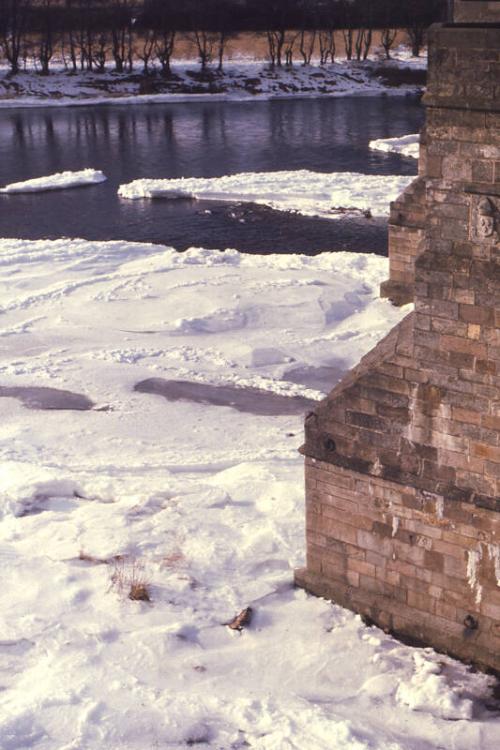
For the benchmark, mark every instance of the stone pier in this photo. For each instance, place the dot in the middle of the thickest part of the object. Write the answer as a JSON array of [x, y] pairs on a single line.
[[403, 456]]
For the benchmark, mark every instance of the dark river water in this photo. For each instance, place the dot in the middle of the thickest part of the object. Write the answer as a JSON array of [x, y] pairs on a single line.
[[205, 139]]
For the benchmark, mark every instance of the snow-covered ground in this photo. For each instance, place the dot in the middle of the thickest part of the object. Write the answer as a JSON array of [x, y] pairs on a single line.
[[58, 181], [406, 145], [240, 80], [201, 504], [309, 193]]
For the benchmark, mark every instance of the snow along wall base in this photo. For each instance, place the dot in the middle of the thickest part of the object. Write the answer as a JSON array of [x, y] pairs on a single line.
[[415, 563], [403, 456]]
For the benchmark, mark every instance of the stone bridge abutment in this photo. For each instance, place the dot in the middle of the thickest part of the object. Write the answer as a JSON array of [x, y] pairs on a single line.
[[403, 456]]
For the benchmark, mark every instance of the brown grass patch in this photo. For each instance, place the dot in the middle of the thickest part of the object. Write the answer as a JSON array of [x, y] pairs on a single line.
[[130, 580]]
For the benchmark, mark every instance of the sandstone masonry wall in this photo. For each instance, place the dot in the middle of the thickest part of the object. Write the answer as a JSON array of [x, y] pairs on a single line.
[[417, 564], [472, 11], [403, 456], [464, 73], [406, 242]]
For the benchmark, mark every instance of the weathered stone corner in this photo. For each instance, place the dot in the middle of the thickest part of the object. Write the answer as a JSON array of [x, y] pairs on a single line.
[[403, 456]]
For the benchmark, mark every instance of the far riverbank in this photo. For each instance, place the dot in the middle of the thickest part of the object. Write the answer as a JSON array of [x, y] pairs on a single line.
[[239, 81]]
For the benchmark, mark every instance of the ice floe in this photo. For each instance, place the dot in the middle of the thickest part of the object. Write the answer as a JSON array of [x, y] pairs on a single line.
[[58, 181], [308, 193], [406, 145]]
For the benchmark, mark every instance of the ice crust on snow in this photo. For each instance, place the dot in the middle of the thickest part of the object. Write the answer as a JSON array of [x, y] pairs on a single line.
[[58, 181], [206, 501], [406, 145], [309, 193]]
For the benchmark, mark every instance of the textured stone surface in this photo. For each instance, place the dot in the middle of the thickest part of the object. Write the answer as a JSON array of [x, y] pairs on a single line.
[[459, 143], [403, 456], [416, 563], [477, 11], [406, 237]]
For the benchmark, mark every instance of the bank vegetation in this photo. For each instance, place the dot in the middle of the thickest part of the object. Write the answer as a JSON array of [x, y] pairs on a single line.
[[94, 35]]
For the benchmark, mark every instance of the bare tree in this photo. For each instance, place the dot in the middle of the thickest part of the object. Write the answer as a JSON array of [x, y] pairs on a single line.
[[221, 19], [308, 23], [348, 35], [289, 46], [83, 24], [362, 43], [14, 15], [68, 34], [387, 39], [100, 51], [275, 42], [146, 48], [419, 15], [223, 39], [358, 43], [307, 45], [327, 47], [416, 36], [329, 19], [278, 18], [211, 29], [164, 49], [205, 43], [46, 24], [121, 29]]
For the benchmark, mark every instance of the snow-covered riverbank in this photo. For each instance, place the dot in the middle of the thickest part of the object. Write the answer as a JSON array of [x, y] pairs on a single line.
[[240, 81], [202, 504]]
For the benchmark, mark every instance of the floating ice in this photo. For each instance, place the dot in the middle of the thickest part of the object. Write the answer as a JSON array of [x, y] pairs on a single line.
[[308, 193], [58, 181], [406, 145]]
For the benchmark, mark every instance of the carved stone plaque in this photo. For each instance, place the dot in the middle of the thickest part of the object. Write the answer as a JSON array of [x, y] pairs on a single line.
[[485, 218]]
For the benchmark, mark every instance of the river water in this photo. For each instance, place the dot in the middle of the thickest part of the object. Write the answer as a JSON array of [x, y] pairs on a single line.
[[197, 139]]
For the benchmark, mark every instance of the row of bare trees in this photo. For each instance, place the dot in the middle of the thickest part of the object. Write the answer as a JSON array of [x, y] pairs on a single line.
[[88, 34]]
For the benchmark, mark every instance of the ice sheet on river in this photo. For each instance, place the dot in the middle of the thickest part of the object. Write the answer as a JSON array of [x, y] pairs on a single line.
[[406, 145], [58, 181], [309, 193], [203, 502]]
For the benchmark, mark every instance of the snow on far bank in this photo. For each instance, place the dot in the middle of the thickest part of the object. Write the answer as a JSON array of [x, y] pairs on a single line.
[[202, 505], [242, 81], [308, 193], [58, 181], [406, 145]]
